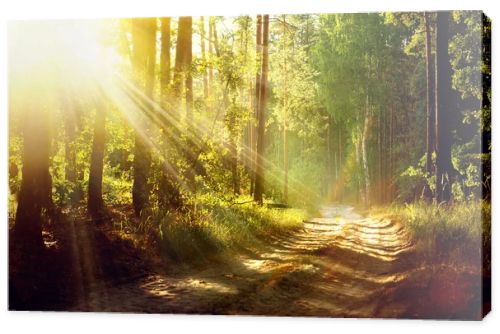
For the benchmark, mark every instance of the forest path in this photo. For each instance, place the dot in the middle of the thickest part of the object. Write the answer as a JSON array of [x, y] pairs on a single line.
[[340, 264]]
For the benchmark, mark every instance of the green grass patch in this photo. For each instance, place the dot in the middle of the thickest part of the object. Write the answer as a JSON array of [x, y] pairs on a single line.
[[454, 233], [212, 229]]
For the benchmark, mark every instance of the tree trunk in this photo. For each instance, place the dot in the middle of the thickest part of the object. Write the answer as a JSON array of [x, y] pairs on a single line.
[[444, 109], [165, 58], [285, 125], [144, 38], [180, 61], [258, 60], [259, 178], [210, 55], [204, 59], [430, 145], [34, 190], [95, 203], [364, 157], [187, 69]]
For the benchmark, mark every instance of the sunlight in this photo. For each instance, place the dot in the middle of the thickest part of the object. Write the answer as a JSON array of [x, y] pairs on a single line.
[[61, 54]]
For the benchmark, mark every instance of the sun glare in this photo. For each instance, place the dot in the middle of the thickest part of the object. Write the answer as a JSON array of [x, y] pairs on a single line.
[[60, 53]]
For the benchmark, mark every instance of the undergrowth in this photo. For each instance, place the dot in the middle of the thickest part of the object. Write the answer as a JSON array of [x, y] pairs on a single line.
[[457, 233], [212, 229]]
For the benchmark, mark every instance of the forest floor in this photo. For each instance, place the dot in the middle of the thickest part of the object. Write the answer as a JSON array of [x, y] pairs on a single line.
[[340, 264]]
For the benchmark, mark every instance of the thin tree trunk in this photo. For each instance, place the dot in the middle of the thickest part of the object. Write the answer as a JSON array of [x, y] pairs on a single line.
[[364, 156], [285, 125], [430, 145], [258, 60], [259, 179], [444, 109], [180, 61], [187, 69], [165, 58], [95, 203], [204, 59], [210, 55]]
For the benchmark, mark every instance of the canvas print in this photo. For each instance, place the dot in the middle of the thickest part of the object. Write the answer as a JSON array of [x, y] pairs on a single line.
[[328, 165]]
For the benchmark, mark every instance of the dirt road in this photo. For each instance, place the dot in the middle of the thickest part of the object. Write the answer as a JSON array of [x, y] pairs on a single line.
[[340, 264]]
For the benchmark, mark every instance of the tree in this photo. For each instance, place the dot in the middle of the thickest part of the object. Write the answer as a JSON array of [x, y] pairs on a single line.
[[165, 58], [258, 60], [144, 59], [259, 169], [35, 190], [430, 145], [445, 109], [182, 69], [204, 59], [95, 203]]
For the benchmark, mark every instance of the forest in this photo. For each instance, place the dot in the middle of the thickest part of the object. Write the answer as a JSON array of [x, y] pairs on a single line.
[[313, 165]]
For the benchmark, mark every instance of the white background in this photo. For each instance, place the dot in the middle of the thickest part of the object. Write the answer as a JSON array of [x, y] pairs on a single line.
[[20, 322]]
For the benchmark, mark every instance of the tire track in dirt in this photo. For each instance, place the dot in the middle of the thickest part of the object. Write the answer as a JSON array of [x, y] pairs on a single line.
[[340, 264]]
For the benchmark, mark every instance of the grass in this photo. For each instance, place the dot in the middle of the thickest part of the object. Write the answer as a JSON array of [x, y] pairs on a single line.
[[455, 233], [215, 229]]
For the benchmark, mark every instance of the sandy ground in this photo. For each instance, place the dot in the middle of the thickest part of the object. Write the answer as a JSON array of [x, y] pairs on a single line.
[[339, 264]]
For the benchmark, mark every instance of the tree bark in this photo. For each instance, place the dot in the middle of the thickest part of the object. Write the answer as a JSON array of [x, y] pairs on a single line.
[[187, 68], [285, 120], [364, 156], [258, 60], [259, 179], [34, 191], [144, 38], [95, 203], [210, 55], [430, 145], [444, 109], [165, 58], [204, 59]]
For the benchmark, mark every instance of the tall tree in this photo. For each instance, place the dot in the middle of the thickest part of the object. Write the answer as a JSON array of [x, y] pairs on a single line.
[[182, 69], [445, 109], [430, 145], [285, 116], [258, 60], [144, 59], [95, 203], [210, 54], [204, 58], [165, 57], [35, 189], [189, 76], [259, 169]]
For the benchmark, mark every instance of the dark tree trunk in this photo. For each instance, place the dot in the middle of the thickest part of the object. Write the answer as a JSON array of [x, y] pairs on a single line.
[[168, 194], [444, 109], [183, 76], [144, 38], [35, 187], [259, 177], [430, 140], [95, 203]]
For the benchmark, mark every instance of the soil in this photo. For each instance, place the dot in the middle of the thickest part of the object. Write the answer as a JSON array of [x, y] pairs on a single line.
[[340, 264]]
